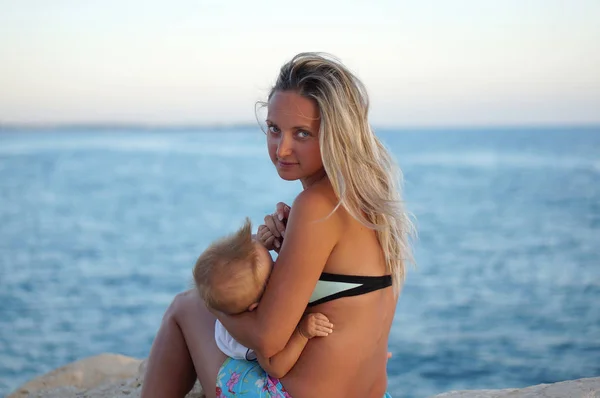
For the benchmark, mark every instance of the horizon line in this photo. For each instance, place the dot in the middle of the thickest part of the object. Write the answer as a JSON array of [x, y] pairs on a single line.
[[244, 125]]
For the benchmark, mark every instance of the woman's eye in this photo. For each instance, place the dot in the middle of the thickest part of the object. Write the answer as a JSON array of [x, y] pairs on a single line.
[[303, 134], [273, 129]]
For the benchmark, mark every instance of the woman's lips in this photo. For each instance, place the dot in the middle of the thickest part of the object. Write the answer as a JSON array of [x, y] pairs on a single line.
[[286, 164]]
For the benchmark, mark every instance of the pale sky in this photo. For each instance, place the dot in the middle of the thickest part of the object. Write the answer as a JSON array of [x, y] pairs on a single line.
[[424, 62]]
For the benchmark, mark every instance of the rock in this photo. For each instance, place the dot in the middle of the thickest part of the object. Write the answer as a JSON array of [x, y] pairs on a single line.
[[101, 376], [118, 376], [581, 388]]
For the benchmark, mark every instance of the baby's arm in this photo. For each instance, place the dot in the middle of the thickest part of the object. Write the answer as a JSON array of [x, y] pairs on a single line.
[[311, 325]]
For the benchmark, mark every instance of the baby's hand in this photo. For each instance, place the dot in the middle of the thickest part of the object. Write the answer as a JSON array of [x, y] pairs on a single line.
[[315, 324]]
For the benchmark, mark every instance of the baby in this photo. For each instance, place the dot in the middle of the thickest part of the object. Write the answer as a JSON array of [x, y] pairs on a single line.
[[231, 275]]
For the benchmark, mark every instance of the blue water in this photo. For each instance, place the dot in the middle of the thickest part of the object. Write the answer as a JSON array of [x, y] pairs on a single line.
[[99, 229]]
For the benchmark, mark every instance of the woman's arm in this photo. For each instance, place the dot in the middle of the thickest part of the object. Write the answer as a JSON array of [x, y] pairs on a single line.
[[309, 239]]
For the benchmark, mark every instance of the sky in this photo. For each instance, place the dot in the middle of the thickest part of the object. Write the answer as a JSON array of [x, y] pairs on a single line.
[[182, 62]]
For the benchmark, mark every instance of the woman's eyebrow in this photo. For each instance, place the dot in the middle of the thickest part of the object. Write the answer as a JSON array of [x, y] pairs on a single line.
[[301, 127]]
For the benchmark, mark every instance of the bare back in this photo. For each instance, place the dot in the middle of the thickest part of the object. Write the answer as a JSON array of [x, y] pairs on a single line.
[[351, 362]]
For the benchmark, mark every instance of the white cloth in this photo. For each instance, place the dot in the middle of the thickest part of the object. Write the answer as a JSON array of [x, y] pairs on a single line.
[[229, 346]]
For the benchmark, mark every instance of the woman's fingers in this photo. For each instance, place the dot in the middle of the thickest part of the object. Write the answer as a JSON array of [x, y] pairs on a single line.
[[282, 211], [276, 222], [260, 233], [270, 223], [269, 241], [266, 238], [264, 233], [279, 225]]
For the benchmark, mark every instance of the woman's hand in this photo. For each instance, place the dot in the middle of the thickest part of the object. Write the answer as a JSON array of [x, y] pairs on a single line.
[[272, 232]]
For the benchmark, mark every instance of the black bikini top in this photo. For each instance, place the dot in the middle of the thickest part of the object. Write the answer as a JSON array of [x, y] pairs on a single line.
[[334, 286]]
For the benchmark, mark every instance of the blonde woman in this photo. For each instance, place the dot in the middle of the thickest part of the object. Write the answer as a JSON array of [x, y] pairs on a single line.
[[342, 252]]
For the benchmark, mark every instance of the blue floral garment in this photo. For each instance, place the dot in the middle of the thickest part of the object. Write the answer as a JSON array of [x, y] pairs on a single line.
[[238, 377]]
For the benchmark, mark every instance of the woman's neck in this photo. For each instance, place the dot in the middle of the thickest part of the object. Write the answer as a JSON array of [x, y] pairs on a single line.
[[318, 176]]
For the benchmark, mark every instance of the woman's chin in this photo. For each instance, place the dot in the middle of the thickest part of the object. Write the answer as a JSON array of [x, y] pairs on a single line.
[[288, 176]]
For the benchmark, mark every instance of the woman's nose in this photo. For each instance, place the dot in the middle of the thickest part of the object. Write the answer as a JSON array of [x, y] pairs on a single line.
[[284, 148]]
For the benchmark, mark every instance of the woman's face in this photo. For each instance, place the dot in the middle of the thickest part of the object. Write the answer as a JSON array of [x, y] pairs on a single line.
[[293, 123]]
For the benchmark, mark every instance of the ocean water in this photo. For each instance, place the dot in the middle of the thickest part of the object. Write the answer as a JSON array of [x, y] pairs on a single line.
[[100, 228]]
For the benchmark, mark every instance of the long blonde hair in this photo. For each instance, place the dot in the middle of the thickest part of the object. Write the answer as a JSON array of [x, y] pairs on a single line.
[[363, 174]]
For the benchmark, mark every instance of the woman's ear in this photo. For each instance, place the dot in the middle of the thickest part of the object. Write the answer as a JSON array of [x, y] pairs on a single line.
[[252, 306]]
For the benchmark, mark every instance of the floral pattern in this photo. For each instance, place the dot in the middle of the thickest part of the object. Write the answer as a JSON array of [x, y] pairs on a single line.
[[241, 378], [247, 379]]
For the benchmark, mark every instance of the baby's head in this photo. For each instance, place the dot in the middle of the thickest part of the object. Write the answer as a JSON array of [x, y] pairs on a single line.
[[232, 272]]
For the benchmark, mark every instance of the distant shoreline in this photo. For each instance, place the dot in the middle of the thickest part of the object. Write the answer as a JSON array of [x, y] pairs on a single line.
[[119, 126], [96, 127]]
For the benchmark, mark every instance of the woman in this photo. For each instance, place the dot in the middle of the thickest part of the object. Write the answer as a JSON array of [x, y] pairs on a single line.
[[342, 253]]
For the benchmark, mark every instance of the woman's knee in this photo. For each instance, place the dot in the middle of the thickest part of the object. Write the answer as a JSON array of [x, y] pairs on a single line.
[[180, 305]]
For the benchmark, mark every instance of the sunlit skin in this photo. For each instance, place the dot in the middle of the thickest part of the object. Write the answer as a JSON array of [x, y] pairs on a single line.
[[349, 363], [293, 123]]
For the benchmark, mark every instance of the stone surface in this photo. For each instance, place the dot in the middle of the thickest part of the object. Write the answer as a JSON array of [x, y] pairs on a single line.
[[101, 376], [118, 376], [581, 388]]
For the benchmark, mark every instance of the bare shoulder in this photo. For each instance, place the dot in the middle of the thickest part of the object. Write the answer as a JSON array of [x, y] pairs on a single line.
[[316, 202]]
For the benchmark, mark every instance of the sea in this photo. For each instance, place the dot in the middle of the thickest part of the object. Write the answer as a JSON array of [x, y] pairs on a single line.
[[100, 227]]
